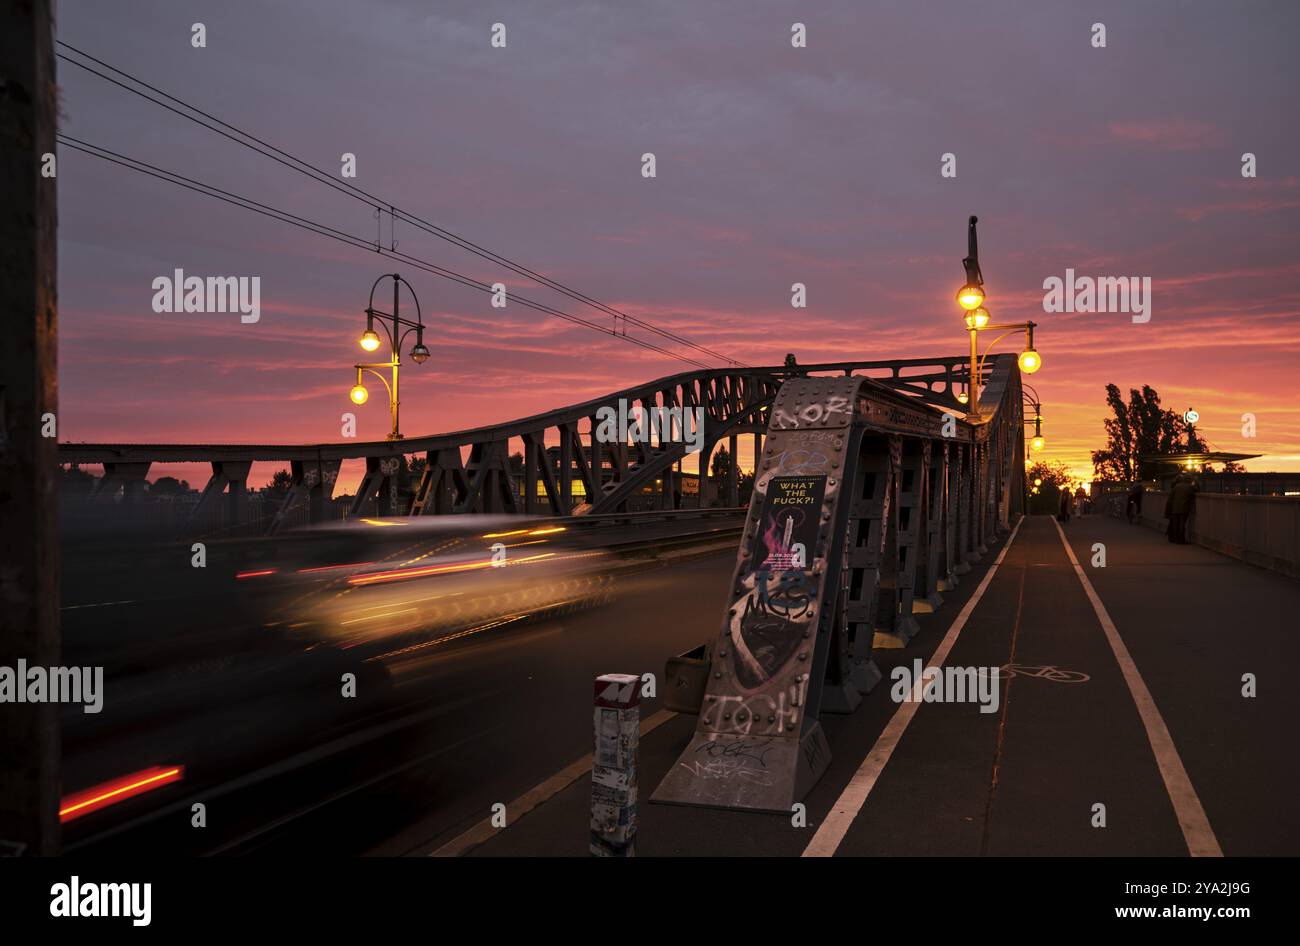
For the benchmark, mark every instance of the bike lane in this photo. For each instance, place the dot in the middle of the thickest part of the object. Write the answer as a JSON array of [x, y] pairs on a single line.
[[1023, 780], [1197, 623]]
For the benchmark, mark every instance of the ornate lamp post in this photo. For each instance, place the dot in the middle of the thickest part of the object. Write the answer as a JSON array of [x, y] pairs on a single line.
[[971, 298], [1037, 443], [370, 341]]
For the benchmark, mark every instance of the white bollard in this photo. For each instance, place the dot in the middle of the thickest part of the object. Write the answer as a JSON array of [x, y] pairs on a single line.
[[617, 718]]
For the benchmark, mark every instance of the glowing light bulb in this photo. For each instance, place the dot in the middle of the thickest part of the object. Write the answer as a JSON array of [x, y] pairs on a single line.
[[970, 296]]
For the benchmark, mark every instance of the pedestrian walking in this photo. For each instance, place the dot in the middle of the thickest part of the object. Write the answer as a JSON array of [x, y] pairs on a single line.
[[1179, 506], [1067, 505], [1134, 502]]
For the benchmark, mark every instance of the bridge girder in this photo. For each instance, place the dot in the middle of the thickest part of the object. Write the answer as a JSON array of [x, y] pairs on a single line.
[[866, 504], [470, 471]]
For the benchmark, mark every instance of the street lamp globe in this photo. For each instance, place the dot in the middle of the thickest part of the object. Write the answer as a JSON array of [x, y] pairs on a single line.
[[970, 296], [1030, 361], [359, 394], [962, 397], [419, 354], [977, 318], [1037, 443], [369, 341]]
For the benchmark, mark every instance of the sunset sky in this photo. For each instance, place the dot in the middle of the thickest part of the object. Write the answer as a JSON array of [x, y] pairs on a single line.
[[775, 165]]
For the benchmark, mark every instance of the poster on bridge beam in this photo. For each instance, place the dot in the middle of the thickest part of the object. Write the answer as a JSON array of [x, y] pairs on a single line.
[[788, 523]]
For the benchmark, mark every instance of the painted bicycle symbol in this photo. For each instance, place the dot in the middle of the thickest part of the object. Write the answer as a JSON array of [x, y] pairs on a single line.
[[1043, 672]]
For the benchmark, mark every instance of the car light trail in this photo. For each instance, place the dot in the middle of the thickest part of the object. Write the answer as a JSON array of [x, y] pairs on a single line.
[[450, 637], [110, 793], [326, 568], [382, 614], [266, 571], [404, 573]]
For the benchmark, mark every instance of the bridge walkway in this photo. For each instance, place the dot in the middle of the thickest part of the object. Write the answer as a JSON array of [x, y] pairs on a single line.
[[1147, 719]]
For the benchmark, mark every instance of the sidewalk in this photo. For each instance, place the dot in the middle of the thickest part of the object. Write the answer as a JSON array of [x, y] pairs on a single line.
[[1025, 780]]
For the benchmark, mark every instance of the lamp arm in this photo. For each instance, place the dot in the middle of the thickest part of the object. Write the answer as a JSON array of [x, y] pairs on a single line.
[[361, 368], [413, 328], [979, 365]]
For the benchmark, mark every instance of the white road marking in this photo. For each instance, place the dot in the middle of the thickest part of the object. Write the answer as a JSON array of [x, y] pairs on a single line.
[[102, 604], [1197, 832], [836, 824], [484, 830]]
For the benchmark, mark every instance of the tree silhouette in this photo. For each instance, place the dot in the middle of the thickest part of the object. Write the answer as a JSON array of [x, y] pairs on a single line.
[[720, 464], [169, 486], [281, 480], [1055, 477], [1139, 426]]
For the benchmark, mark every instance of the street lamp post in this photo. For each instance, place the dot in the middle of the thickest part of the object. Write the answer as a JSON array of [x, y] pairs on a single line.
[[1037, 443], [971, 298], [370, 341]]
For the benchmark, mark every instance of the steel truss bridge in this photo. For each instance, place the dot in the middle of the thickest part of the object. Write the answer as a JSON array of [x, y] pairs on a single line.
[[874, 490]]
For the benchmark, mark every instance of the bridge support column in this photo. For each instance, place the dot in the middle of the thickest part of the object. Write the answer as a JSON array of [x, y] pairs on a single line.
[[770, 660], [129, 477], [965, 507], [952, 519], [973, 506], [983, 512], [319, 479], [733, 472], [491, 484], [443, 488], [387, 482], [537, 468], [226, 474], [897, 627], [705, 459], [312, 484], [870, 512], [936, 558]]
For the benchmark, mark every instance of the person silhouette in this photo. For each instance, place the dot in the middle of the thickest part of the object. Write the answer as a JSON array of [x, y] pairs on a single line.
[[1179, 507], [1067, 505], [1134, 502]]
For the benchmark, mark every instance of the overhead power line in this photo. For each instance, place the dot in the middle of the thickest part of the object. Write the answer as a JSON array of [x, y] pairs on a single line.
[[254, 143], [341, 236]]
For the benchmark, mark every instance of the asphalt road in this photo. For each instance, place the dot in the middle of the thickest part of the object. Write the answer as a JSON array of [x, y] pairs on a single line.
[[483, 720], [280, 763], [1027, 780]]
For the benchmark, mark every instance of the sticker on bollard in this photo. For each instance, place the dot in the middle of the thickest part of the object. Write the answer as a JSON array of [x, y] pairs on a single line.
[[617, 720]]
